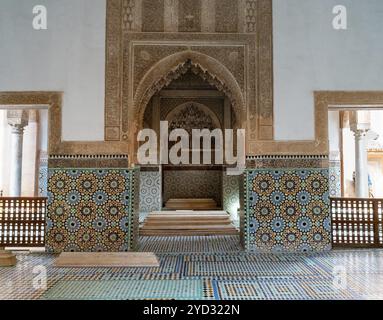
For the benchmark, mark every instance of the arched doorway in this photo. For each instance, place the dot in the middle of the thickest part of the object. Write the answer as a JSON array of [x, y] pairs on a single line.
[[189, 97], [172, 68]]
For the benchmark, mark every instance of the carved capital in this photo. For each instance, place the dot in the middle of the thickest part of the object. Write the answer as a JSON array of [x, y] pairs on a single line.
[[360, 122], [360, 133], [18, 119]]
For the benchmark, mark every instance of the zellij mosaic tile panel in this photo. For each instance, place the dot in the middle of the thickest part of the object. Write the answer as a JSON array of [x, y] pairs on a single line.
[[91, 210], [287, 210]]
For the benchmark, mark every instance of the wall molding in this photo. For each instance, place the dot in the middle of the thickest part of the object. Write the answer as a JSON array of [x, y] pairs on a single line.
[[323, 101], [87, 156], [265, 157], [53, 101]]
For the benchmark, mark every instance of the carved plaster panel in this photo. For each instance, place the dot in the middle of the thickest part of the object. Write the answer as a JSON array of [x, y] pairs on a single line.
[[153, 15], [242, 60], [226, 18], [215, 105], [163, 71], [189, 15], [192, 115]]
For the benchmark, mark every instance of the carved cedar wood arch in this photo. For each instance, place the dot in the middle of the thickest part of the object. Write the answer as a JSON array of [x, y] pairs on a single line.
[[173, 67], [216, 123]]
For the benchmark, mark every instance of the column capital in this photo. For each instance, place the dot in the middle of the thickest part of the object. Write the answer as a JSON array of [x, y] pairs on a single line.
[[360, 133], [18, 119], [360, 122]]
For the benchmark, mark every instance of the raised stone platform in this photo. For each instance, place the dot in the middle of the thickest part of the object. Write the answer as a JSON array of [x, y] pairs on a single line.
[[188, 223], [191, 204], [106, 259]]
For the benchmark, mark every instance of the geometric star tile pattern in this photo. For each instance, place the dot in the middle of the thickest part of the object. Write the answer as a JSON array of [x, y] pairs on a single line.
[[91, 210], [126, 289], [335, 176], [287, 210], [43, 180], [150, 191]]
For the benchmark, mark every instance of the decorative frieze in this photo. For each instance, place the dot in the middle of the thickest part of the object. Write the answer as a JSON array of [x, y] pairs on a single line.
[[88, 161], [287, 161], [208, 15], [251, 15], [128, 15], [171, 16], [189, 16], [153, 15], [226, 16]]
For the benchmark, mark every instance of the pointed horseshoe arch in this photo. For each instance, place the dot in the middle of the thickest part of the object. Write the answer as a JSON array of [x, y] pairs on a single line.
[[173, 67]]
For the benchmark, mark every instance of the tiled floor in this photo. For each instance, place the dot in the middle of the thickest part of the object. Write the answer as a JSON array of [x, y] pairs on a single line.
[[204, 268]]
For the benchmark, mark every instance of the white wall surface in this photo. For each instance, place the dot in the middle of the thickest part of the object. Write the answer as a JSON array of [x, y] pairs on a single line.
[[4, 152], [334, 131], [43, 132], [68, 57], [308, 55]]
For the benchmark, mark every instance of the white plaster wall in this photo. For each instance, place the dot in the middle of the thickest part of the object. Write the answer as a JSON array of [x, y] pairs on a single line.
[[375, 168], [4, 152], [29, 177], [348, 162], [68, 57], [376, 164], [334, 131], [43, 132], [377, 124], [310, 55]]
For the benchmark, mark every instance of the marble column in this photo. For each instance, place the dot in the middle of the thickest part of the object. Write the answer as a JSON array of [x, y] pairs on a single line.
[[361, 164], [360, 125], [18, 120]]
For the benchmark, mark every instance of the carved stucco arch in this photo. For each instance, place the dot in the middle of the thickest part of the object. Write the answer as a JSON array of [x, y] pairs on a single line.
[[174, 66]]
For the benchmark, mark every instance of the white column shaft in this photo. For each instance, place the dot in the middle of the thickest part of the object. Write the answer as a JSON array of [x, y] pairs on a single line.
[[361, 166], [16, 161]]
